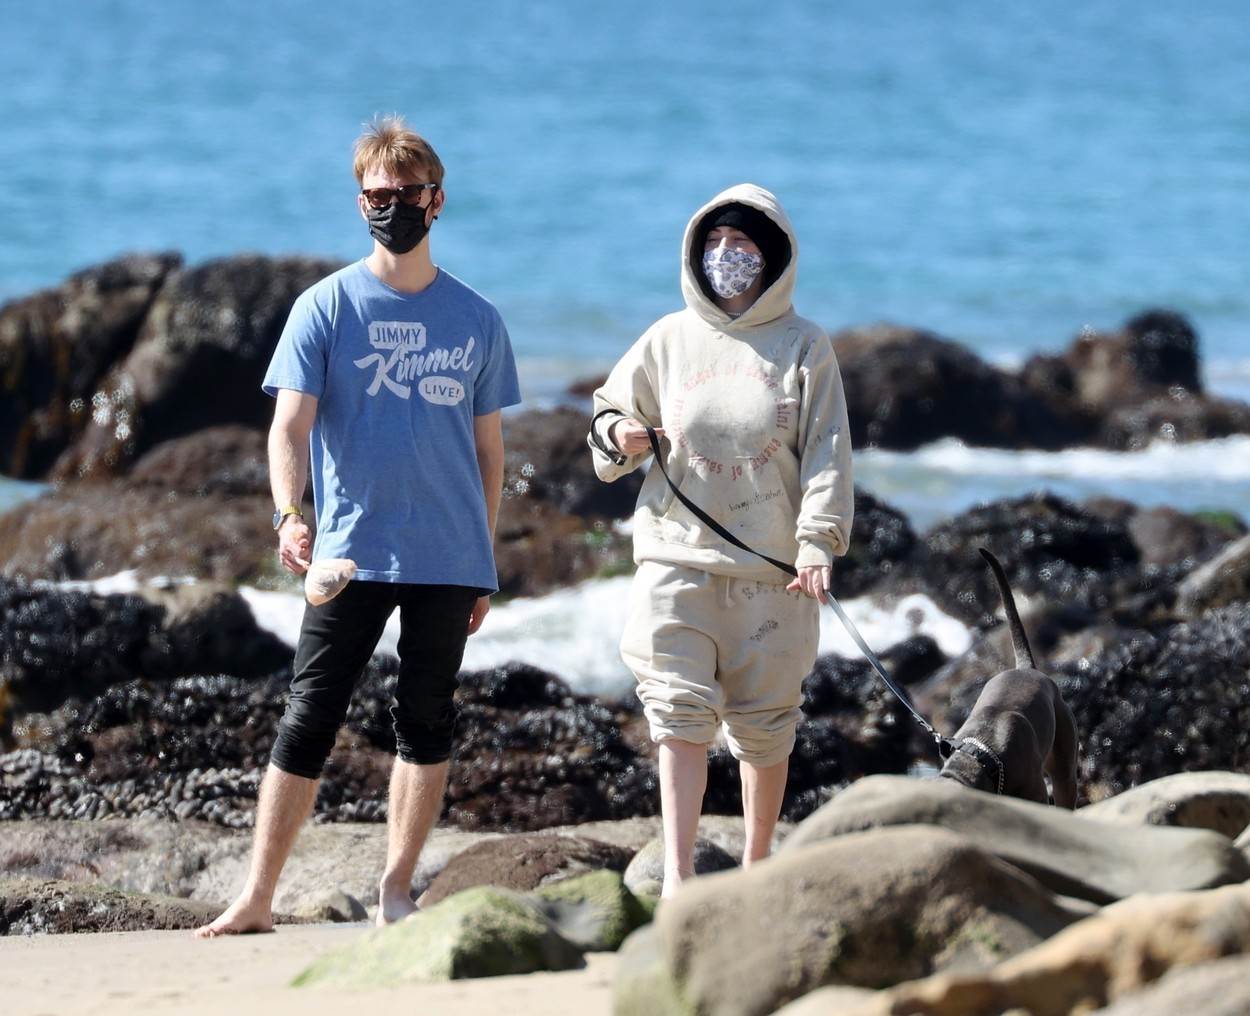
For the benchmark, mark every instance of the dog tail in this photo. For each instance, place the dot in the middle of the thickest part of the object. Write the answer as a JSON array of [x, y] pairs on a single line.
[[1019, 640]]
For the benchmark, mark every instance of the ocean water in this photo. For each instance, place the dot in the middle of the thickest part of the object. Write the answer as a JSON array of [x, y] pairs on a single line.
[[1004, 174]]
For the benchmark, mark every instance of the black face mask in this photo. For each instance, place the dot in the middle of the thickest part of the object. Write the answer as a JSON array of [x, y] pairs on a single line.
[[398, 227]]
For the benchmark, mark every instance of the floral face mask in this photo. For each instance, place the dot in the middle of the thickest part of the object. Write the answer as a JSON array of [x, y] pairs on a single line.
[[731, 272]]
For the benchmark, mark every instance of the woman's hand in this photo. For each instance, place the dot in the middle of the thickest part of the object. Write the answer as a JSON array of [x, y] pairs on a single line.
[[813, 580], [630, 436]]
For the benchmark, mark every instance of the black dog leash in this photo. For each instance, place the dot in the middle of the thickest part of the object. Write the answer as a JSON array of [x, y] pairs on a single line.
[[945, 744]]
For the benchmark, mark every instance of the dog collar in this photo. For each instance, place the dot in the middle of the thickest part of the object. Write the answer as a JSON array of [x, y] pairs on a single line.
[[981, 751]]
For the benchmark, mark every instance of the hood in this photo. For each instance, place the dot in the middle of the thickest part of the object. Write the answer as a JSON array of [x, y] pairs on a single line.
[[776, 298]]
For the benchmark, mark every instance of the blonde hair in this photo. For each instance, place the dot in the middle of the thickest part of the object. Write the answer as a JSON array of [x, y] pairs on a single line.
[[389, 145]]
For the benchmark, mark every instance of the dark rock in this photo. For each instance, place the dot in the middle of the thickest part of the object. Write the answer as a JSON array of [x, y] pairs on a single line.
[[547, 459], [1166, 701], [539, 548], [198, 360], [56, 345], [1047, 546], [93, 530], [1177, 416], [523, 863], [881, 538], [1166, 537], [57, 644], [228, 460], [906, 387]]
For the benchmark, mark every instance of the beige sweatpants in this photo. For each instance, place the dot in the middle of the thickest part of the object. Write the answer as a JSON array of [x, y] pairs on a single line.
[[709, 649]]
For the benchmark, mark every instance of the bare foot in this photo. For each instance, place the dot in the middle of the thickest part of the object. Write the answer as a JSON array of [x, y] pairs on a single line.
[[242, 918], [394, 905], [672, 882]]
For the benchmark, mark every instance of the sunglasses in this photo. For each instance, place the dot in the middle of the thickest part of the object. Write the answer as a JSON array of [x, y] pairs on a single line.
[[409, 194]]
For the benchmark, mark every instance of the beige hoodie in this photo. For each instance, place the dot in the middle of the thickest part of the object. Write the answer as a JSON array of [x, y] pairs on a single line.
[[755, 425]]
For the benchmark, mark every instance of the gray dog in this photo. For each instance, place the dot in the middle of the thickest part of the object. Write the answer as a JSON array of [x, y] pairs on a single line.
[[1019, 728]]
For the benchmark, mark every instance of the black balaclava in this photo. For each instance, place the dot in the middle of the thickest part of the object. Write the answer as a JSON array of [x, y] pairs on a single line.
[[770, 238]]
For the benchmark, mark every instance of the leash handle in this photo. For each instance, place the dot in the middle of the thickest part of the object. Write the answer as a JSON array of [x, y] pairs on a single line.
[[943, 743]]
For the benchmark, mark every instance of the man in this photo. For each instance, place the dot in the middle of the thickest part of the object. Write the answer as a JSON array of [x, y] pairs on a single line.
[[392, 373]]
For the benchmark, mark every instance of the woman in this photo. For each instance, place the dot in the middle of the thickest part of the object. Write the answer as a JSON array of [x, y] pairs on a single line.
[[750, 400]]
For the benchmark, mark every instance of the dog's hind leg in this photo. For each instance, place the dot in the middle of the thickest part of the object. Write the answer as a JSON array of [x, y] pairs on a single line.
[[1061, 765]]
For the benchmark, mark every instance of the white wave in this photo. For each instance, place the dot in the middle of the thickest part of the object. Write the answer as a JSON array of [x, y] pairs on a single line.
[[574, 633], [1225, 459]]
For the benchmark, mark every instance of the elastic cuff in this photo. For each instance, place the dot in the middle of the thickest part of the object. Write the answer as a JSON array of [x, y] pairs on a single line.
[[814, 555]]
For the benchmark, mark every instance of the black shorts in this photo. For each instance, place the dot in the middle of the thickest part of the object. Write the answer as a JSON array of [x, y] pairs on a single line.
[[336, 641]]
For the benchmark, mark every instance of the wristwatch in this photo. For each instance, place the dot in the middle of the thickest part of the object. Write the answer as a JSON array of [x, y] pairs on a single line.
[[281, 513]]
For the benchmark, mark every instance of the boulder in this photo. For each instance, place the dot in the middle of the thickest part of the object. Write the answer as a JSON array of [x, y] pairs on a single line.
[[1216, 801], [1103, 959], [229, 460], [522, 863], [197, 362], [867, 910], [1163, 700], [30, 907], [907, 387], [1166, 537], [1219, 988], [1222, 580], [334, 906], [1049, 548], [57, 345], [482, 932], [58, 643], [1068, 853], [646, 869], [883, 539], [91, 531], [594, 911]]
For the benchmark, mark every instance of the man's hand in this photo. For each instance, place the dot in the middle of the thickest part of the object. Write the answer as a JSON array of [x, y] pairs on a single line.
[[295, 544], [630, 436], [479, 613], [813, 580]]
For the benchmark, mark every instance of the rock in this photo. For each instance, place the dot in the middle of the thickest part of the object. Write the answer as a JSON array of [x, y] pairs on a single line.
[[547, 460], [883, 539], [648, 864], [1223, 580], [334, 905], [1175, 417], [29, 907], [55, 347], [1068, 853], [539, 548], [57, 643], [1049, 548], [220, 320], [1166, 537], [522, 863], [60, 535], [228, 459], [1097, 961], [593, 911], [1219, 988], [824, 1001], [906, 387], [866, 910], [482, 932], [1216, 801], [1163, 700]]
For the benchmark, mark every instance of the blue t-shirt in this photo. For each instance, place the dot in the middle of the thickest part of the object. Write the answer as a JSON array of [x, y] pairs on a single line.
[[399, 378]]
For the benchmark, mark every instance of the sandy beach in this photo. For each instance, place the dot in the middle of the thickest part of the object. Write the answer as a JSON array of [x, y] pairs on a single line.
[[170, 972]]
